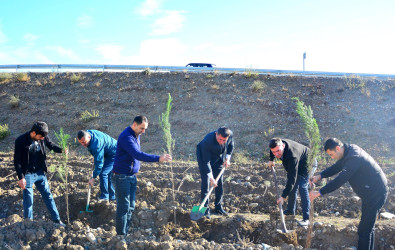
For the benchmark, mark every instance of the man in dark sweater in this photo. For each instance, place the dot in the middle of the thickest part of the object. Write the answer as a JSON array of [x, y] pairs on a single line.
[[366, 178], [30, 165], [214, 152], [126, 166], [294, 158]]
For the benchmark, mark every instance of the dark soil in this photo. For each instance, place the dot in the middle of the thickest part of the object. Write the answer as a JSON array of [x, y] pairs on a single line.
[[362, 115]]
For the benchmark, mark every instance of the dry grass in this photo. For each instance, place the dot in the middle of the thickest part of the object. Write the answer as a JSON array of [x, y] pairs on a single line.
[[22, 77], [258, 86], [4, 131], [14, 101]]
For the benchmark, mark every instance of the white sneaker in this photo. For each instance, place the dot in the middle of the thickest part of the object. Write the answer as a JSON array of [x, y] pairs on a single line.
[[304, 223]]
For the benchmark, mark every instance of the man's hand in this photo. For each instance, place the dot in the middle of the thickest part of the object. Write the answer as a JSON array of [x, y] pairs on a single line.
[[314, 194], [280, 200], [315, 178], [66, 151], [165, 157], [22, 183], [270, 164], [91, 181], [227, 163], [213, 182]]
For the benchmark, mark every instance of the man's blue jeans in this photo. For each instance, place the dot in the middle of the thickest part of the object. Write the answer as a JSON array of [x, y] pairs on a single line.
[[301, 184], [41, 183], [125, 193], [106, 188]]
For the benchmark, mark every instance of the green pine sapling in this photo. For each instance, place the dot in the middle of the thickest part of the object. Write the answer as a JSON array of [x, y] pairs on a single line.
[[63, 169], [169, 141], [313, 134]]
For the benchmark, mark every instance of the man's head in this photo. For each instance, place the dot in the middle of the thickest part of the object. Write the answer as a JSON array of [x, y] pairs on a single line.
[[277, 146], [140, 124], [334, 148], [84, 138], [222, 135], [38, 131]]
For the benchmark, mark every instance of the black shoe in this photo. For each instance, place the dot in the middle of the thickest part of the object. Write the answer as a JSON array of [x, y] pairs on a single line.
[[288, 212], [221, 211]]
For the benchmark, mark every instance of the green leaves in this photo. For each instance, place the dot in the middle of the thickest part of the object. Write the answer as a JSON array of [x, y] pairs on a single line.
[[311, 129], [166, 126]]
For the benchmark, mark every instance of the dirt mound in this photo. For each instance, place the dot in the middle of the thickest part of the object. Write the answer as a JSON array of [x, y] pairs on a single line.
[[249, 196], [256, 108]]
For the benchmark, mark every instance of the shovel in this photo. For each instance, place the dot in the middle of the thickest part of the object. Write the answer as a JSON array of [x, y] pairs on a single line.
[[87, 202], [199, 211], [280, 205]]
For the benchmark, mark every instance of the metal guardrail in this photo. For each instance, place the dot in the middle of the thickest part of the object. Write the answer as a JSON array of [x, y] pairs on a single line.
[[96, 67]]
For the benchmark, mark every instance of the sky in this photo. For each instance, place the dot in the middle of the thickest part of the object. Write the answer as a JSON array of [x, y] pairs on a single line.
[[354, 36]]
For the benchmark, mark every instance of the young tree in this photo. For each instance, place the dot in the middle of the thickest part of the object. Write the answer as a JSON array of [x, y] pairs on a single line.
[[169, 141], [313, 134], [63, 168]]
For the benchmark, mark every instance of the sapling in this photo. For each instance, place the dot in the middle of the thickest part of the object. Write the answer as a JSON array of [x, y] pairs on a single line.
[[313, 134], [63, 169], [169, 141]]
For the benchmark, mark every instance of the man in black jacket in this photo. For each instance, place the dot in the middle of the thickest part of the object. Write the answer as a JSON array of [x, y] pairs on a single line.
[[366, 178], [294, 158], [30, 165], [214, 152]]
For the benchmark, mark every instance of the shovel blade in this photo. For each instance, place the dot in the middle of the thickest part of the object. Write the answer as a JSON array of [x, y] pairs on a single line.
[[196, 213]]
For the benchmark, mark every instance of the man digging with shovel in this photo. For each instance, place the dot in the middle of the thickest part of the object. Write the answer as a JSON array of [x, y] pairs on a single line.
[[103, 148], [213, 153]]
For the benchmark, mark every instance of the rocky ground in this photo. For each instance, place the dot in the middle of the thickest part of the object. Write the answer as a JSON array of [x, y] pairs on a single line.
[[345, 108]]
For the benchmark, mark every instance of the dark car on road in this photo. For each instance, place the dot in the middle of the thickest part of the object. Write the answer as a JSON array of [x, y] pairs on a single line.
[[208, 65]]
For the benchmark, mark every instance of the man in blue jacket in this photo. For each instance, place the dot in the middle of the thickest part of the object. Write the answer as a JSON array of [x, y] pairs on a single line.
[[294, 158], [103, 148], [213, 153], [126, 166], [366, 178], [30, 165]]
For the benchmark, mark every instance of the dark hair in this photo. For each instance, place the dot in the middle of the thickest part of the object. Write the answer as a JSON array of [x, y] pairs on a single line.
[[140, 119], [40, 128], [81, 133], [274, 142], [224, 132], [332, 143]]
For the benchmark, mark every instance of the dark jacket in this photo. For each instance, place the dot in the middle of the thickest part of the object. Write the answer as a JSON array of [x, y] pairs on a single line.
[[295, 163], [21, 153], [210, 154], [365, 176]]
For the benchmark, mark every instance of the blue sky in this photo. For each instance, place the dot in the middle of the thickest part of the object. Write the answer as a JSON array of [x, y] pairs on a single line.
[[338, 36]]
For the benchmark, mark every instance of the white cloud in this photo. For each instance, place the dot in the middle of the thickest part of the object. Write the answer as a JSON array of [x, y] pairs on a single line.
[[85, 21], [29, 37], [149, 7], [168, 51], [63, 52], [112, 53], [172, 22]]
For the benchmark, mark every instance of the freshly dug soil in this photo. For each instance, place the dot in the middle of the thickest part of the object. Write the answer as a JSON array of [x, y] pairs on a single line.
[[357, 113]]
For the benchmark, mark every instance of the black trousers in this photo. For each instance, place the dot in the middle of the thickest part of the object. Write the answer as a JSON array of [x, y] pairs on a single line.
[[370, 209], [205, 187]]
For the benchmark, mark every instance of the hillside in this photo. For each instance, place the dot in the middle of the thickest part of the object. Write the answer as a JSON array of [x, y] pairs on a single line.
[[356, 110]]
